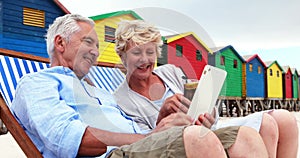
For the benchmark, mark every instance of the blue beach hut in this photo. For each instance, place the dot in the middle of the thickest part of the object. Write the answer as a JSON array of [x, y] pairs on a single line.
[[23, 24], [253, 77]]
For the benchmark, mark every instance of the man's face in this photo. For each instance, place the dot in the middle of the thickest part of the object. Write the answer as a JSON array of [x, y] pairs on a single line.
[[82, 50], [140, 60]]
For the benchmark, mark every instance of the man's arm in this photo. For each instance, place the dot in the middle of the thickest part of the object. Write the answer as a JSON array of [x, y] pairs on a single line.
[[95, 141]]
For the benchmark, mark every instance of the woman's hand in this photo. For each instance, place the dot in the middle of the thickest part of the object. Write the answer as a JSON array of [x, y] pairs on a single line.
[[206, 120], [173, 104], [174, 119]]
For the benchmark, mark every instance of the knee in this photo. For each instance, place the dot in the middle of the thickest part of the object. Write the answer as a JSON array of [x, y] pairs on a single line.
[[287, 124], [269, 127], [248, 134], [199, 133], [248, 141], [202, 140], [284, 119]]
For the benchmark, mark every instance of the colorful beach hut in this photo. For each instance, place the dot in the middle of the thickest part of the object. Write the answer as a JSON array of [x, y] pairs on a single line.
[[23, 24], [106, 25], [274, 80], [188, 52], [287, 82], [295, 83], [228, 59], [298, 71], [253, 77]]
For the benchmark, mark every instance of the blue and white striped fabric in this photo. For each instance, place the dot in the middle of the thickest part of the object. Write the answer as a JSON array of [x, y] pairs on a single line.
[[106, 78], [12, 69]]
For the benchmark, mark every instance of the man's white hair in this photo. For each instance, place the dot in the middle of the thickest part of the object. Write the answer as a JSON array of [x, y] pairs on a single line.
[[65, 26]]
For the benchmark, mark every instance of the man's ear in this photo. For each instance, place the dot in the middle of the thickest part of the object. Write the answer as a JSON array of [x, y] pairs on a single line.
[[59, 43]]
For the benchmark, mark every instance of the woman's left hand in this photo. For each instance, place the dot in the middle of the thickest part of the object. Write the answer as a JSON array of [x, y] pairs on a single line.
[[206, 120]]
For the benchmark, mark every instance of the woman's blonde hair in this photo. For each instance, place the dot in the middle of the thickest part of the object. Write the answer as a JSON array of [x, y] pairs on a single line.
[[139, 32]]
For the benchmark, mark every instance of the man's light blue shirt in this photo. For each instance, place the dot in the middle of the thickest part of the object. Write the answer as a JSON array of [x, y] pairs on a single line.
[[55, 107]]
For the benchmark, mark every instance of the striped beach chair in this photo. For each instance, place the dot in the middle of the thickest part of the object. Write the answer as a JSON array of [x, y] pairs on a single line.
[[106, 77], [11, 71]]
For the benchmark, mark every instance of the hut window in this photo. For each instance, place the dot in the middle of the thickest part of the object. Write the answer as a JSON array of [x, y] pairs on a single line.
[[250, 67], [258, 69], [277, 73], [198, 55], [235, 63], [222, 60], [271, 72], [33, 17], [178, 50], [109, 34]]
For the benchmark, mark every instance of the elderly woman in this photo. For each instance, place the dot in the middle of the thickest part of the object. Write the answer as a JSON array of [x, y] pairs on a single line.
[[147, 91]]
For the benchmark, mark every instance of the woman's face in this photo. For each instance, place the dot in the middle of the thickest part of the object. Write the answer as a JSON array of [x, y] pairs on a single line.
[[139, 60]]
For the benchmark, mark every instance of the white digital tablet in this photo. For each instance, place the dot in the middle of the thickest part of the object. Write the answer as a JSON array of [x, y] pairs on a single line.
[[207, 92]]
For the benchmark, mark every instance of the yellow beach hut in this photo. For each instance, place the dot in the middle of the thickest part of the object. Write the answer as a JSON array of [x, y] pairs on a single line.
[[274, 80], [106, 25]]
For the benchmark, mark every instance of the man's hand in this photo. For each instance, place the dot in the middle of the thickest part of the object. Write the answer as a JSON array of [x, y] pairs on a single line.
[[173, 104], [174, 119]]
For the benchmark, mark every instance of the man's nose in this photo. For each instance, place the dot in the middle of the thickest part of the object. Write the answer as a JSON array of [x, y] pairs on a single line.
[[95, 52]]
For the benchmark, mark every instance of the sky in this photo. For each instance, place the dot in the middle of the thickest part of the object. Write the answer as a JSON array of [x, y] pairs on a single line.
[[269, 28]]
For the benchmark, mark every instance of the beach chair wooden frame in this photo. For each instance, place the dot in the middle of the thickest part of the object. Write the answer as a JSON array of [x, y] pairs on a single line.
[[17, 131], [104, 75], [12, 125]]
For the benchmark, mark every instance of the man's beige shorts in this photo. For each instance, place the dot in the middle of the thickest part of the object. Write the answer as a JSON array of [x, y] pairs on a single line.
[[168, 143]]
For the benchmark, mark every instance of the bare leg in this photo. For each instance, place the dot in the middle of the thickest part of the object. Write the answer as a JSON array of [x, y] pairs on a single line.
[[288, 133], [200, 141], [248, 144], [269, 133]]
